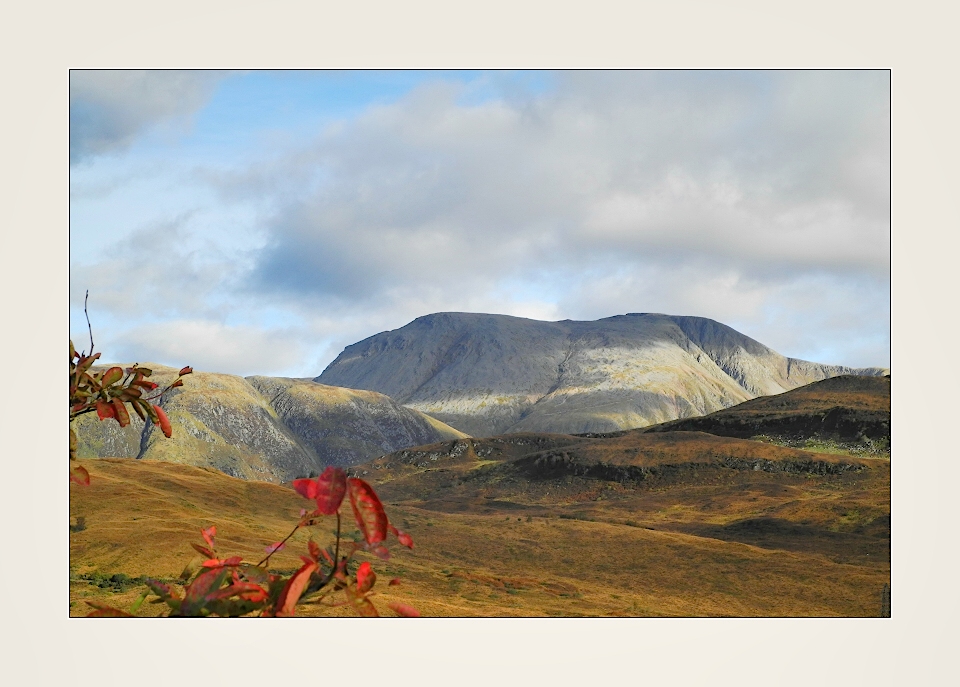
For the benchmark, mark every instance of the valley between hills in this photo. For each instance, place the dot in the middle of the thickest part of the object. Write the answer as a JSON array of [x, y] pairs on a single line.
[[778, 506]]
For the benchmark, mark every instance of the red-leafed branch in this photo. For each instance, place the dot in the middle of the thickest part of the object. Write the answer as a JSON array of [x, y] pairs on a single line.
[[228, 586]]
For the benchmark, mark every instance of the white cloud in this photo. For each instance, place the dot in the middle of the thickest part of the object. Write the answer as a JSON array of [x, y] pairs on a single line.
[[210, 346], [758, 199], [109, 108]]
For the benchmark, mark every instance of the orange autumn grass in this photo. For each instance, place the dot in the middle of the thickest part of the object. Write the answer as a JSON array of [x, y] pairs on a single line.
[[600, 559]]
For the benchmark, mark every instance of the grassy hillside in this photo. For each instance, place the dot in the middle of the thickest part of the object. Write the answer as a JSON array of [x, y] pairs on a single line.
[[494, 540], [717, 487], [263, 428]]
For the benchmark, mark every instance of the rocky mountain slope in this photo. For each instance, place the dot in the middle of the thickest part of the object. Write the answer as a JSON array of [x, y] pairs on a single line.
[[494, 374], [263, 428]]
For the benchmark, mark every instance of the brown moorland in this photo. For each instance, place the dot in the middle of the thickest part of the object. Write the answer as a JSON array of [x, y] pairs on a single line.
[[641, 522], [675, 524], [840, 408]]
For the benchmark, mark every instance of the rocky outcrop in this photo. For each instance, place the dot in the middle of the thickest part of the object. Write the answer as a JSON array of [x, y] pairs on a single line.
[[495, 374], [346, 426], [263, 428]]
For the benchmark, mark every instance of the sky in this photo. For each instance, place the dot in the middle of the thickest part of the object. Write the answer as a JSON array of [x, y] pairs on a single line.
[[259, 222]]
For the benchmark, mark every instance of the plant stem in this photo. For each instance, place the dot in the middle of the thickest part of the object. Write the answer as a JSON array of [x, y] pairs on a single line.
[[89, 328], [277, 548]]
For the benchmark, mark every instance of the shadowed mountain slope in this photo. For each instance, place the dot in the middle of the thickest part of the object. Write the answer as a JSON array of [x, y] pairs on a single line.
[[495, 374], [840, 408], [263, 428]]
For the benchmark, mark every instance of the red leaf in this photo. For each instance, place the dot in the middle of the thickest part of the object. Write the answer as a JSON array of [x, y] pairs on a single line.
[[130, 393], [309, 518], [314, 550], [273, 548], [120, 412], [222, 563], [80, 475], [365, 578], [161, 589], [136, 407], [404, 610], [164, 422], [105, 410], [100, 605], [380, 551], [190, 568], [209, 533], [108, 612], [245, 590], [405, 539], [252, 573], [394, 582], [361, 604], [204, 550], [253, 593], [186, 370], [307, 488], [367, 510], [286, 604], [331, 486], [177, 383], [84, 363], [203, 585], [111, 376], [147, 385]]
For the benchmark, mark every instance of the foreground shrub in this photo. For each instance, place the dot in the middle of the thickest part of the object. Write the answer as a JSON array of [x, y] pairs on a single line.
[[108, 392], [215, 586], [229, 587]]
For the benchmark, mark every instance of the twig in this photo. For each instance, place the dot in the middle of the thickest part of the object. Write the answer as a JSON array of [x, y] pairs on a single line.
[[278, 546], [89, 328], [336, 554], [336, 557]]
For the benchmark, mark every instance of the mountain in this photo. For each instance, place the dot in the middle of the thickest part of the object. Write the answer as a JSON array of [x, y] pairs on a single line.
[[495, 374], [840, 408], [637, 523], [263, 428]]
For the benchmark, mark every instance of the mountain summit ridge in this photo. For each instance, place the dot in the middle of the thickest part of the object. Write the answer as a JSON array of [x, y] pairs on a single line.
[[490, 374]]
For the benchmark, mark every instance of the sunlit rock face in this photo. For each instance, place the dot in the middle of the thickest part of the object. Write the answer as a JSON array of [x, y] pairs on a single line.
[[263, 428], [495, 374]]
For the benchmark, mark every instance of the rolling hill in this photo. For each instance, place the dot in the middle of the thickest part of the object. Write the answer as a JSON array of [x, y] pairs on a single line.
[[844, 409], [494, 374], [525, 525]]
